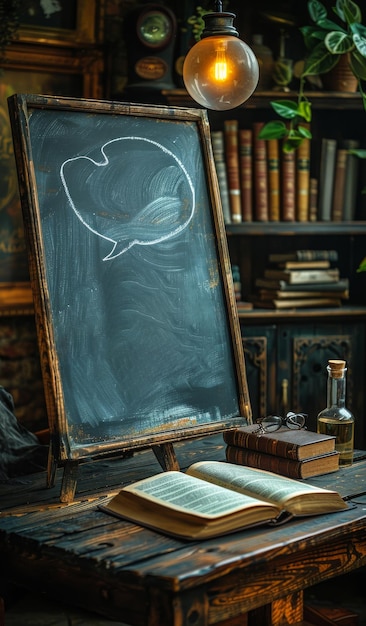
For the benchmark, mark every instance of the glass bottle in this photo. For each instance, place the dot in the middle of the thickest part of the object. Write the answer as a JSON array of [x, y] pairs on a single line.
[[265, 62], [336, 419]]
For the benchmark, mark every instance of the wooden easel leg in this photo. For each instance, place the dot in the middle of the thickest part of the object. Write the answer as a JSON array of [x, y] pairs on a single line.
[[51, 467], [69, 481], [166, 456]]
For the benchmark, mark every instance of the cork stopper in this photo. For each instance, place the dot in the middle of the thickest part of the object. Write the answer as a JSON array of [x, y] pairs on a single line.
[[336, 367]]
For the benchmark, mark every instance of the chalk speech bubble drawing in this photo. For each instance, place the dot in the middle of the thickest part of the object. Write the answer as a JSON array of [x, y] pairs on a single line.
[[126, 203]]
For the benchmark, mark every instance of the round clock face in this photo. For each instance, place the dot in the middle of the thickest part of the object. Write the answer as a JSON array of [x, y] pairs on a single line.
[[154, 28]]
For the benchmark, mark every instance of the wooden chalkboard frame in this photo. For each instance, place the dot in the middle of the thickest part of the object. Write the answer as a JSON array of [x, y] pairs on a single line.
[[40, 125]]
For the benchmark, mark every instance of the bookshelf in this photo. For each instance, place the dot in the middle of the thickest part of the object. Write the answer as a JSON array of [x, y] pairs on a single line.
[[295, 344]]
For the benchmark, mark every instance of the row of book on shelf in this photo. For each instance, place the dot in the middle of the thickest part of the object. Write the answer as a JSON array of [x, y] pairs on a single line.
[[300, 279], [260, 182]]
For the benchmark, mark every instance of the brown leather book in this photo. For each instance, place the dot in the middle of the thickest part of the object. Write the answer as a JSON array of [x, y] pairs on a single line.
[[303, 180], [287, 443], [339, 185], [297, 303], [231, 131], [313, 200], [260, 175], [306, 468], [288, 186], [246, 173], [273, 160]]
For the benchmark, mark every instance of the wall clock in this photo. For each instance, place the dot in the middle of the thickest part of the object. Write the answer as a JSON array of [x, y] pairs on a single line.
[[150, 35]]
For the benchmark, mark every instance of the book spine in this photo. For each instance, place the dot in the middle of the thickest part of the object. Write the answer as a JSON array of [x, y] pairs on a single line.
[[232, 164], [251, 441], [339, 183], [304, 276], [260, 174], [270, 463], [305, 255], [288, 186], [303, 179], [218, 147], [350, 187], [313, 200], [246, 173], [326, 178], [273, 180]]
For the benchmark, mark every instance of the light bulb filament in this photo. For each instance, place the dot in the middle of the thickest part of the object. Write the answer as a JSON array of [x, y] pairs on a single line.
[[221, 67]]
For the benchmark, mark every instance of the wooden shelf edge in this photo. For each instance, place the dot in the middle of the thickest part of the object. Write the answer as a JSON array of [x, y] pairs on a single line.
[[328, 313], [296, 228]]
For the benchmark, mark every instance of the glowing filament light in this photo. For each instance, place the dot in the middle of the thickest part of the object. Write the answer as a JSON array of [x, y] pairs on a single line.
[[220, 71]]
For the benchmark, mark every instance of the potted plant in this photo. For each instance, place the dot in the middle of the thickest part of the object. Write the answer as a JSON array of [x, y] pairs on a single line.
[[327, 42], [330, 43]]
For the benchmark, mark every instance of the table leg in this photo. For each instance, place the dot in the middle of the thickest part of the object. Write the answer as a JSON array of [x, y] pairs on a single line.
[[287, 610]]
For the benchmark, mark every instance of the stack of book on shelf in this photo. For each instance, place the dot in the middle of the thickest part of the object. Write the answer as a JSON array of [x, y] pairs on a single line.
[[296, 454], [338, 180], [300, 279], [260, 182]]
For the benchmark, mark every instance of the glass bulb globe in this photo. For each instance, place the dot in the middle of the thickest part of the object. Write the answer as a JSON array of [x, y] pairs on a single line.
[[220, 72]]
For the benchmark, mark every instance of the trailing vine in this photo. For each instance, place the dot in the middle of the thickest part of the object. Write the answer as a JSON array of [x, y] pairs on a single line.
[[290, 129]]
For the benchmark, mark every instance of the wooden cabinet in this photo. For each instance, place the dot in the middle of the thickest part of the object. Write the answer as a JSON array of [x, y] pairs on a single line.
[[295, 345], [297, 350]]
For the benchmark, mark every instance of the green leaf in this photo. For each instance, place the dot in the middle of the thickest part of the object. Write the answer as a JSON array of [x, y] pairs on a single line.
[[304, 110], [273, 130], [312, 36], [348, 11], [304, 132], [329, 25], [317, 10], [338, 43], [285, 108], [359, 152], [282, 73], [358, 64], [291, 144], [362, 266], [359, 39], [319, 61]]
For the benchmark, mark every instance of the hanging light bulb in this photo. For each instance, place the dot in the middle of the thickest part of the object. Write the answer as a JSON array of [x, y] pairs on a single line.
[[220, 71]]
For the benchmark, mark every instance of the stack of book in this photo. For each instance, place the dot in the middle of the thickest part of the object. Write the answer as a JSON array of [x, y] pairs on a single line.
[[338, 180], [293, 453], [299, 279], [257, 180], [260, 182]]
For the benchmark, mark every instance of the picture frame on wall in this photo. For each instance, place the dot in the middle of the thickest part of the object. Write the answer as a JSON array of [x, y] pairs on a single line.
[[56, 70], [71, 22]]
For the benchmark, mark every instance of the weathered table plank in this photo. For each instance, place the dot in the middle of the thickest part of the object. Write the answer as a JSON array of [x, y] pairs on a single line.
[[142, 577]]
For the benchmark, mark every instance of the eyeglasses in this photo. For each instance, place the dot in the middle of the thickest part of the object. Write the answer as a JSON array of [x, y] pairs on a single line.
[[271, 423]]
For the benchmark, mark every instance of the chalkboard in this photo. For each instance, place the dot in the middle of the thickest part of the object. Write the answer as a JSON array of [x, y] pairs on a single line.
[[136, 317]]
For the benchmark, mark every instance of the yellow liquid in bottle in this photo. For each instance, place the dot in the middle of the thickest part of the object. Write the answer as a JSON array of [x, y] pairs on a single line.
[[344, 433]]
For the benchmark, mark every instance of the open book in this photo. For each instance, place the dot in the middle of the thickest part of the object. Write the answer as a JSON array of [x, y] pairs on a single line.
[[214, 498]]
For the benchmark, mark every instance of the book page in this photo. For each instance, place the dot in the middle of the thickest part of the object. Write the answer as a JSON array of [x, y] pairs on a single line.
[[257, 483], [186, 493]]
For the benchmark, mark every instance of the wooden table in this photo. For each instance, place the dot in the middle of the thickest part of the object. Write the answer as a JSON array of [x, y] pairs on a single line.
[[83, 556]]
